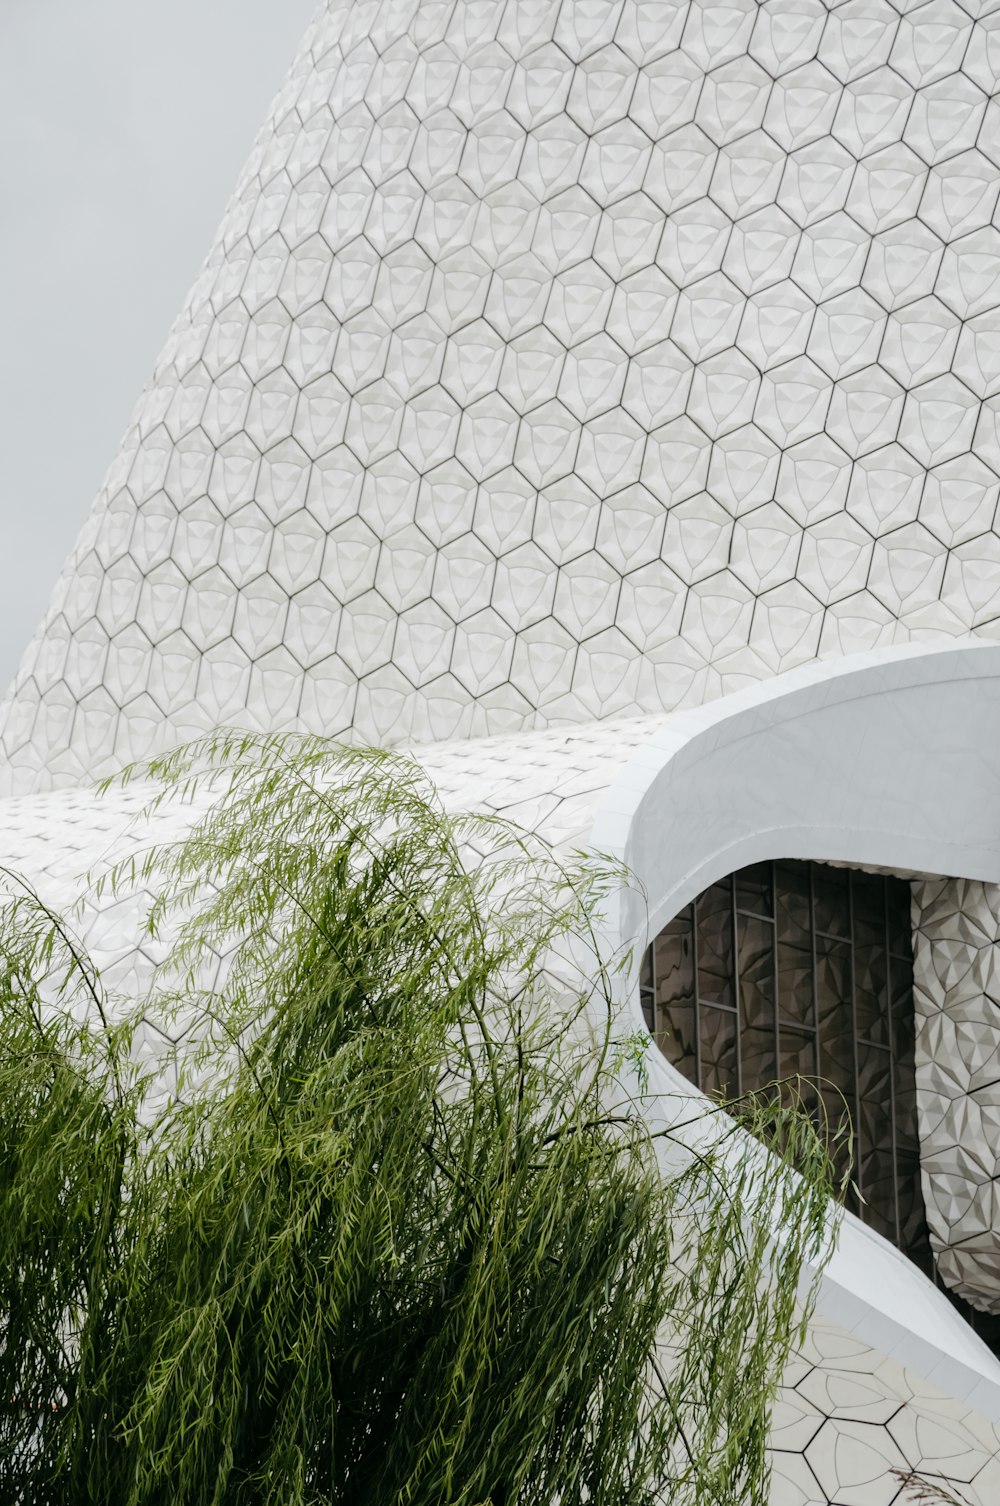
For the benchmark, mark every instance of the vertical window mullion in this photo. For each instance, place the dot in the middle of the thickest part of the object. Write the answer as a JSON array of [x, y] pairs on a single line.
[[891, 1017], [775, 1012], [812, 955], [855, 1105]]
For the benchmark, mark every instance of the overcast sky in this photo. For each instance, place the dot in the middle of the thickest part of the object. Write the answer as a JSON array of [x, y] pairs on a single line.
[[124, 125]]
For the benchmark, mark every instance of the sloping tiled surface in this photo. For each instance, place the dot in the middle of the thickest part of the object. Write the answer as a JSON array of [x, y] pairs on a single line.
[[846, 1417], [556, 359]]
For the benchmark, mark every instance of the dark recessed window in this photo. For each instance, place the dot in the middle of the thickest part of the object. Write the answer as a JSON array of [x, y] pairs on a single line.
[[797, 968]]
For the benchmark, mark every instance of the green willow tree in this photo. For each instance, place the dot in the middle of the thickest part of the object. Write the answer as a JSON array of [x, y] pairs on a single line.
[[401, 1234]]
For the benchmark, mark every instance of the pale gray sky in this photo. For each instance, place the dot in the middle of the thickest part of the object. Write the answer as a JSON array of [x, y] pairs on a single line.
[[124, 124]]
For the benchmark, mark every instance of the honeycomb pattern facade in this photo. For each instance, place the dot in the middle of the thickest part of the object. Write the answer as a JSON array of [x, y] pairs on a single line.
[[556, 360], [846, 1418]]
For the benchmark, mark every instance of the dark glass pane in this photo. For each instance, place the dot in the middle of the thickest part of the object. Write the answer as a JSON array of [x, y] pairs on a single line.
[[875, 1082], [903, 1029], [913, 1237], [833, 1007], [868, 903], [897, 905], [835, 1016], [673, 970], [830, 896], [753, 889], [676, 1036], [905, 1104], [795, 983], [804, 970], [792, 904], [758, 1048], [874, 1128], [901, 989], [646, 986], [673, 960], [871, 995], [833, 981], [715, 945], [878, 1178], [798, 1054], [718, 1051]]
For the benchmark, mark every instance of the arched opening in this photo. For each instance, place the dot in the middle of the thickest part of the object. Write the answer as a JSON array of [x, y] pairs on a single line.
[[883, 762], [790, 969], [802, 973]]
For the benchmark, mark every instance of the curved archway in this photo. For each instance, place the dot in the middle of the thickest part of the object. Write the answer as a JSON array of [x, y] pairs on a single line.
[[884, 759], [888, 759]]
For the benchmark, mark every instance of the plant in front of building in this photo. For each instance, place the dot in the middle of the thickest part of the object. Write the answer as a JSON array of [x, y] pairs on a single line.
[[387, 1225], [924, 1492]]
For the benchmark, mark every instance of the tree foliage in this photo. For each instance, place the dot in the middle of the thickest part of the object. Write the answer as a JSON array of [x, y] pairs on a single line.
[[403, 1236]]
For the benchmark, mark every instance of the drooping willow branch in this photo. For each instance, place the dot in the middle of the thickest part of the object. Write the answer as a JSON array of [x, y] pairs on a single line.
[[403, 1234]]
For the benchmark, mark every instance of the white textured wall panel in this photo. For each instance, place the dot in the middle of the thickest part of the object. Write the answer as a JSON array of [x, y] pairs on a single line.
[[957, 1002], [555, 361]]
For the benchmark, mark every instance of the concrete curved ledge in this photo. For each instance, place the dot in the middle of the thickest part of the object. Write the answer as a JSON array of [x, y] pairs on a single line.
[[884, 758], [888, 758]]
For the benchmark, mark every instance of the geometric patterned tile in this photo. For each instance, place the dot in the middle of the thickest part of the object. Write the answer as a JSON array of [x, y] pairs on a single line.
[[488, 270]]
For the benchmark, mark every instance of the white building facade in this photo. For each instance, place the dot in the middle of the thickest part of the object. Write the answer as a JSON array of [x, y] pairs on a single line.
[[602, 398]]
